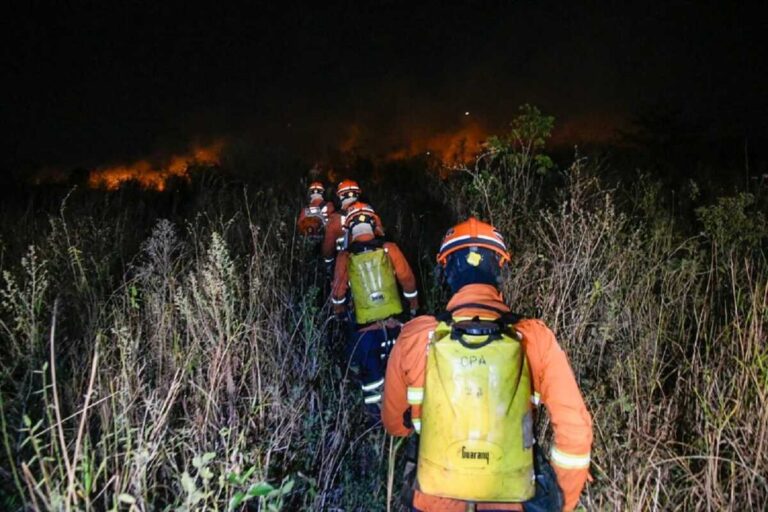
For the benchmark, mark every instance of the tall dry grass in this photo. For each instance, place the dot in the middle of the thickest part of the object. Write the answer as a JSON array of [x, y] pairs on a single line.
[[199, 375], [190, 363], [666, 331]]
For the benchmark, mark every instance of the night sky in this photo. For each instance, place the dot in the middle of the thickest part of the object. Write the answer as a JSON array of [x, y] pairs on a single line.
[[92, 84]]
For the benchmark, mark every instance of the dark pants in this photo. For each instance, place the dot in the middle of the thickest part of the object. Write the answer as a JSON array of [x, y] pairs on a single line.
[[368, 352]]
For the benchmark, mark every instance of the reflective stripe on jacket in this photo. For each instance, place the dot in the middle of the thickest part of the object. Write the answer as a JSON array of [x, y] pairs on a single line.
[[553, 382]]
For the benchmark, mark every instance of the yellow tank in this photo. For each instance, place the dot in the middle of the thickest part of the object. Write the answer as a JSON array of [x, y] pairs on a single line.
[[374, 286], [476, 434]]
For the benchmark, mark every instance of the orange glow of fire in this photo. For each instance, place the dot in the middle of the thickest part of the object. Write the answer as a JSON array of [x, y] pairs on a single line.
[[154, 175], [595, 128], [352, 140], [455, 147]]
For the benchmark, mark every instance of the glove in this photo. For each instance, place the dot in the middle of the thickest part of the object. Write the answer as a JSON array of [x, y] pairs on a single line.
[[407, 419], [548, 496]]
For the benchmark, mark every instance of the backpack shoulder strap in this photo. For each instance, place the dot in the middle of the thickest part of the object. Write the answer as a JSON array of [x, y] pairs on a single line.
[[358, 247], [505, 317]]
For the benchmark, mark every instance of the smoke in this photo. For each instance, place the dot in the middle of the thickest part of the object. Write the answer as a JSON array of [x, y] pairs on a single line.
[[446, 140]]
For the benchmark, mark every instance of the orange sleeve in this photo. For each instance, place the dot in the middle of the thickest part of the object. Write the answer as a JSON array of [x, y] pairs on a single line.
[[332, 232], [556, 387], [340, 279], [404, 273], [299, 223], [405, 369]]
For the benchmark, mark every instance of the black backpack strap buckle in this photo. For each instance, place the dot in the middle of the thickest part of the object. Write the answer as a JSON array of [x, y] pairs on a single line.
[[492, 330], [505, 317]]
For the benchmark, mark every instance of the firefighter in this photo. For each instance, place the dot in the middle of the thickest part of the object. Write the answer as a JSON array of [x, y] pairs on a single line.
[[469, 381], [348, 192], [370, 269], [314, 217]]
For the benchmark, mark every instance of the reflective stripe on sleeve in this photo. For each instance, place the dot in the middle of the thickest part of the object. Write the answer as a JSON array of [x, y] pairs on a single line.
[[328, 260], [536, 398], [373, 399], [339, 301], [411, 295], [372, 385], [416, 425], [415, 395], [569, 460]]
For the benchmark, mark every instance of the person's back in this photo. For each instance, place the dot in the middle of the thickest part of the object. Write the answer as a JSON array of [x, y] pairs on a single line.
[[314, 217], [371, 270], [467, 342]]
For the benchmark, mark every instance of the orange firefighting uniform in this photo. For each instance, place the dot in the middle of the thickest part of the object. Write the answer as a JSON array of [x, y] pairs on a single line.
[[403, 273], [553, 383], [308, 225]]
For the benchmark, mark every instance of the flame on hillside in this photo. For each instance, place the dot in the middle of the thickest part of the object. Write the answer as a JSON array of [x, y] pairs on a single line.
[[153, 174], [458, 146]]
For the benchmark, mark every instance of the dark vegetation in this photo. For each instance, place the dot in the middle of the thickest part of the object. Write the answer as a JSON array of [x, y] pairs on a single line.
[[174, 350]]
